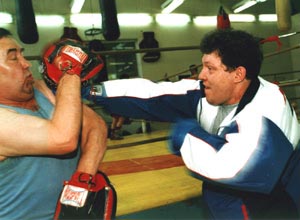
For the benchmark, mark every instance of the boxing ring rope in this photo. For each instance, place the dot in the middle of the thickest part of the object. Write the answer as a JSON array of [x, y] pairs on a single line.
[[166, 49], [282, 73], [197, 47], [291, 83], [146, 50], [265, 56], [282, 51]]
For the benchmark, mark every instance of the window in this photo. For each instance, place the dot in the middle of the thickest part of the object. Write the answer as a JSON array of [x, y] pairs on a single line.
[[121, 65]]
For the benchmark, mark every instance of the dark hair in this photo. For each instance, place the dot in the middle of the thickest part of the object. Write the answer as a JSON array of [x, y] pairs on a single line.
[[236, 48], [4, 33]]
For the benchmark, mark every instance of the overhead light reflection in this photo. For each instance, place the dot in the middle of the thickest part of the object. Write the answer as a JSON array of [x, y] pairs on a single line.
[[267, 17], [241, 18], [89, 19], [5, 18], [49, 20], [205, 20], [134, 19], [172, 19]]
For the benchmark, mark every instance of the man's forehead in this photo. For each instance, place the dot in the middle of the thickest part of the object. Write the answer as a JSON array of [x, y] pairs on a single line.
[[212, 57], [7, 43]]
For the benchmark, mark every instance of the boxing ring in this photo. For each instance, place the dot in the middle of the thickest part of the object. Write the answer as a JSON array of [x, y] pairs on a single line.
[[142, 169], [145, 174]]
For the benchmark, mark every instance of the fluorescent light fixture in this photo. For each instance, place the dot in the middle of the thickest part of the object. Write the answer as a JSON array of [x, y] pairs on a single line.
[[76, 6], [170, 5], [241, 6], [172, 19], [134, 19], [244, 4], [205, 20], [242, 18], [267, 18], [212, 20], [88, 20], [5, 18], [49, 20]]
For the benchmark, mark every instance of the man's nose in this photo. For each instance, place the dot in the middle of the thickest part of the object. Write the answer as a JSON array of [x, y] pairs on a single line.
[[25, 63], [202, 74]]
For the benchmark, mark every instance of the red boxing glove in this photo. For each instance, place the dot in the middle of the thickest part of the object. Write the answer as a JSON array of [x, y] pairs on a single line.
[[76, 190], [70, 60], [87, 197], [64, 59], [70, 57]]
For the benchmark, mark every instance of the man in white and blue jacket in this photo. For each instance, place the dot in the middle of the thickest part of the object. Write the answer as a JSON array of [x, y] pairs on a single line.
[[234, 130]]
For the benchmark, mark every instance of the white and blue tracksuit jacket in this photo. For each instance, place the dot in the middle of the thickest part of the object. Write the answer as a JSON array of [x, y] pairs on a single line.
[[254, 151]]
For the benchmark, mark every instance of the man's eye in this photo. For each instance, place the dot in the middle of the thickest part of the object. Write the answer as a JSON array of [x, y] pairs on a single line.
[[13, 58]]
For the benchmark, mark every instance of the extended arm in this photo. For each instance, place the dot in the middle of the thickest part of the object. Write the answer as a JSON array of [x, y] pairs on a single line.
[[250, 155], [143, 99]]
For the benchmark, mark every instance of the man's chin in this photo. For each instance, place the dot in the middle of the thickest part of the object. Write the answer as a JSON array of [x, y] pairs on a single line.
[[211, 101], [28, 86], [29, 91]]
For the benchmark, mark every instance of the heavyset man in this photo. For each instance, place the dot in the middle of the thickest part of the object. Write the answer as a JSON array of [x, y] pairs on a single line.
[[234, 130], [44, 139]]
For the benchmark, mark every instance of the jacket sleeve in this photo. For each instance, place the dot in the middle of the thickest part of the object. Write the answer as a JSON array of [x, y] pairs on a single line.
[[143, 99], [250, 156]]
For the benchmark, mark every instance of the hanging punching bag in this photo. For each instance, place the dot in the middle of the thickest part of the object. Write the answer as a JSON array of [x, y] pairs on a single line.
[[26, 25], [110, 25], [71, 33], [223, 21], [148, 42], [283, 11]]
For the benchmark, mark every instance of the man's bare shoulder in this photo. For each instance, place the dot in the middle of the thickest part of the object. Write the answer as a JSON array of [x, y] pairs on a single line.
[[7, 116], [4, 111]]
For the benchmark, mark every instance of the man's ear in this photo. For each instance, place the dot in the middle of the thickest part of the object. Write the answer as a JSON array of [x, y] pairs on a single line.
[[240, 74]]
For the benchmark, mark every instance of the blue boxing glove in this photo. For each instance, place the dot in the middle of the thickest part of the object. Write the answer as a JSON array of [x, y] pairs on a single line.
[[191, 126], [178, 132]]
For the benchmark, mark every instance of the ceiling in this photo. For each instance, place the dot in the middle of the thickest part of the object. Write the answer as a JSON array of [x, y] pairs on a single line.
[[190, 7]]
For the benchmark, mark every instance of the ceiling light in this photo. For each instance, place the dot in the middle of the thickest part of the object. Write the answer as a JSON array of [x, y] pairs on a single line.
[[241, 18], [49, 20], [87, 20], [170, 5], [5, 18], [76, 6], [138, 19], [243, 5], [172, 19], [267, 17], [205, 20], [212, 20]]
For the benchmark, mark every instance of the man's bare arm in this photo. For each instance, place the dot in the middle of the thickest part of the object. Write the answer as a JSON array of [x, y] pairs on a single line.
[[29, 135], [93, 141]]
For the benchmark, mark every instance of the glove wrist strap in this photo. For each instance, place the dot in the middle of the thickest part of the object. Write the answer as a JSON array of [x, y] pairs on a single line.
[[82, 179]]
